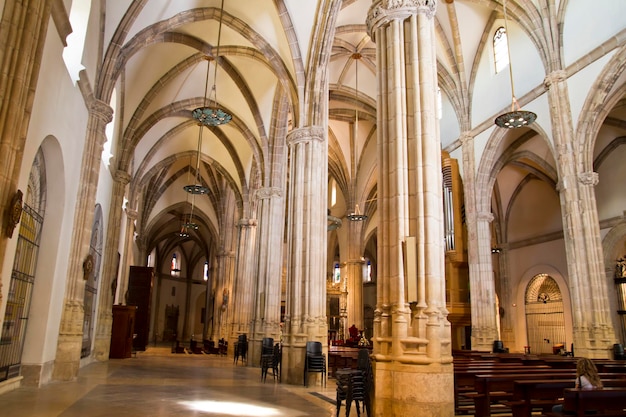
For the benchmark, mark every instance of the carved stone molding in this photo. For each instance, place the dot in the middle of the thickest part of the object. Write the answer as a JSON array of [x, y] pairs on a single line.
[[247, 222], [13, 213], [306, 134], [131, 214], [485, 216], [225, 253], [122, 177], [383, 11], [269, 192], [87, 267], [555, 77], [466, 138], [588, 178], [101, 110]]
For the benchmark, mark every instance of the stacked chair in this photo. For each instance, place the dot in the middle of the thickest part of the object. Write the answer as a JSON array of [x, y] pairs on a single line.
[[315, 361], [355, 385], [241, 349], [267, 356]]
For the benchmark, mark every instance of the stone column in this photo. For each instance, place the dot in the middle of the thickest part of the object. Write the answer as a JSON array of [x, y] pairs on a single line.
[[108, 283], [23, 30], [484, 326], [593, 331], [127, 256], [354, 272], [484, 329], [305, 318], [244, 282], [266, 316], [411, 349], [222, 284], [67, 360]]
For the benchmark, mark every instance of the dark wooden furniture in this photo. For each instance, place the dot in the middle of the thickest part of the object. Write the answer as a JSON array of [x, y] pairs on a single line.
[[531, 395], [496, 389], [609, 401], [139, 294], [122, 332]]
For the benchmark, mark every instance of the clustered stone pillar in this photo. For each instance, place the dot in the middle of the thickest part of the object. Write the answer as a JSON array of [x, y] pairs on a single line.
[[411, 346], [266, 318], [484, 329], [484, 326], [354, 272], [23, 28], [305, 318], [244, 283], [110, 265], [593, 330], [69, 345]]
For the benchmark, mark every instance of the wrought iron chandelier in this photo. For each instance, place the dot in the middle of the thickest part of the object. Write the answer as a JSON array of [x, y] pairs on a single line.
[[356, 215], [516, 117]]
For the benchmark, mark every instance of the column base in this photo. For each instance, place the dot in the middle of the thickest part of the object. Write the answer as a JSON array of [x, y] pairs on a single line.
[[413, 390], [67, 362], [36, 375]]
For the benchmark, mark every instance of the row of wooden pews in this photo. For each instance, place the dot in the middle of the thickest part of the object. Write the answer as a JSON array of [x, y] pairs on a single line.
[[518, 385]]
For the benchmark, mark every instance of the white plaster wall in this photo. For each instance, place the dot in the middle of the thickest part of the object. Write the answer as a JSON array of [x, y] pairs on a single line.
[[492, 92], [581, 34], [58, 111]]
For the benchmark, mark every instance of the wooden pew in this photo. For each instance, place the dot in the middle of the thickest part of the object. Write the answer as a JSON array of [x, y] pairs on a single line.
[[498, 389], [544, 394], [610, 401], [491, 389], [465, 378]]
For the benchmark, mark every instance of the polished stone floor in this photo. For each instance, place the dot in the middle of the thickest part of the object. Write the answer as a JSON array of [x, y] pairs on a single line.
[[157, 383]]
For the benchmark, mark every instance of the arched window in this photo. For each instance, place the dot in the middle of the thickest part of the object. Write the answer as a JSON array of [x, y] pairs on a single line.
[[368, 272], [206, 271], [337, 274], [175, 266], [500, 49]]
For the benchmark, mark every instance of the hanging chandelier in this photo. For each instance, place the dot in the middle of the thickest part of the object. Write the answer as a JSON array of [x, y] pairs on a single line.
[[356, 215], [516, 117], [212, 115], [187, 222]]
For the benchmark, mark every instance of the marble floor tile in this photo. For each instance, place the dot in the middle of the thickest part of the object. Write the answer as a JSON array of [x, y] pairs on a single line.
[[157, 383]]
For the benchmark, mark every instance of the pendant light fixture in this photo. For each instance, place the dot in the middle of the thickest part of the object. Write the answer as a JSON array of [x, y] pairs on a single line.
[[516, 117], [210, 115], [356, 215], [187, 221]]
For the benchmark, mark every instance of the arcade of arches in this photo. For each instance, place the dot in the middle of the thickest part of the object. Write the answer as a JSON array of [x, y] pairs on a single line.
[[361, 181]]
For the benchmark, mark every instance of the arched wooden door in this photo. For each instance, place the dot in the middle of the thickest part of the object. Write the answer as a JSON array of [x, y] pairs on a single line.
[[545, 324]]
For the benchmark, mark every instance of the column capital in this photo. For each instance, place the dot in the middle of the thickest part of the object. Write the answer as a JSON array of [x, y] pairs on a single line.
[[554, 77], [131, 214], [588, 178], [247, 222], [268, 192], [306, 134], [485, 216], [225, 253], [383, 11], [466, 138], [101, 110], [122, 177]]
